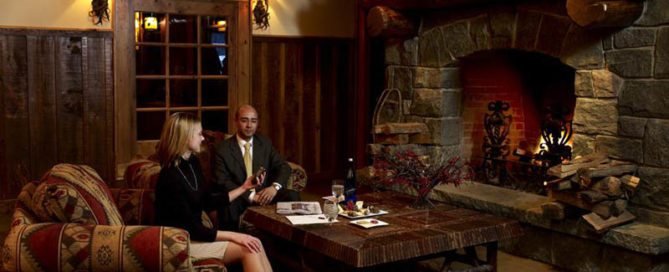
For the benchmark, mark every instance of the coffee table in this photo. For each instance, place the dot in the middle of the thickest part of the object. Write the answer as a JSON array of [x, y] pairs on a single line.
[[411, 234]]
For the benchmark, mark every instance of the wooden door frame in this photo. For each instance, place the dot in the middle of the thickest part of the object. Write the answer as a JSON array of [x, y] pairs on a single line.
[[125, 132]]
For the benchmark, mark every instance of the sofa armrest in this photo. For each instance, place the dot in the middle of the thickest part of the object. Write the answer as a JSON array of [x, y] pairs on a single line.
[[298, 177], [136, 206], [73, 247]]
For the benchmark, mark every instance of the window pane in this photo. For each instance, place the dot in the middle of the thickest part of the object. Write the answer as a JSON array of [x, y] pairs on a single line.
[[150, 60], [150, 93], [214, 61], [183, 92], [183, 29], [214, 92], [149, 125], [150, 27], [183, 61], [214, 30], [194, 113], [215, 120]]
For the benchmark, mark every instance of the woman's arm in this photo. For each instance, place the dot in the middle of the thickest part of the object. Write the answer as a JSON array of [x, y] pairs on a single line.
[[247, 185], [245, 240]]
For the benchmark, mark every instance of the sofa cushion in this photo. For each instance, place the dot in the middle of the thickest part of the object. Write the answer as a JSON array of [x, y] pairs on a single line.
[[135, 205], [142, 174], [75, 194]]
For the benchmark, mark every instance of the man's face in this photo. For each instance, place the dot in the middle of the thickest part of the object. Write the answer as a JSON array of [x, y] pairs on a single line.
[[247, 123]]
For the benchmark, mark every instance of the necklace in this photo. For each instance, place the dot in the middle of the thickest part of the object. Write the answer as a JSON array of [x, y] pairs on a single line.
[[194, 188]]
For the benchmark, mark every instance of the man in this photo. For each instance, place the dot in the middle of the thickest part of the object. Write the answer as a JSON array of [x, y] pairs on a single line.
[[239, 158]]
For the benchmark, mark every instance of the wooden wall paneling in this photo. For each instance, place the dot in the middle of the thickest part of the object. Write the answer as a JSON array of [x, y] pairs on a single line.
[[4, 185], [69, 101], [95, 97], [345, 85], [124, 81], [330, 128], [16, 130], [281, 102], [109, 108], [259, 94], [271, 122], [42, 103], [292, 119], [243, 47], [309, 129]]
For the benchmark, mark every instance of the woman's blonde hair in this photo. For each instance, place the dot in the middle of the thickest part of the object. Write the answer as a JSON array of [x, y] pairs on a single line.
[[175, 136]]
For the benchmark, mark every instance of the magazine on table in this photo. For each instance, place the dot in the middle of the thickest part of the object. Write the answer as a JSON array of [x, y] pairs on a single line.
[[298, 207]]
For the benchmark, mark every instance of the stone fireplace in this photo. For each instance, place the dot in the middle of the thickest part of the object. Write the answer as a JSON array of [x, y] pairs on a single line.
[[618, 89]]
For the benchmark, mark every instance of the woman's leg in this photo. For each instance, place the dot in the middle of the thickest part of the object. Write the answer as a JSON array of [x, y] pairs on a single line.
[[250, 260]]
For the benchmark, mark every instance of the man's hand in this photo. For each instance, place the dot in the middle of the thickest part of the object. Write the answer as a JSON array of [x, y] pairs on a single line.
[[266, 195]]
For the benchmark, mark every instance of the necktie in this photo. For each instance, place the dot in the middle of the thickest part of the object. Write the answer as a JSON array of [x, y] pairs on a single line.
[[247, 159]]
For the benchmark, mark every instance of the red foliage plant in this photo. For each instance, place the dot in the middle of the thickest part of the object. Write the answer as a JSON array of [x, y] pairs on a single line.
[[408, 169]]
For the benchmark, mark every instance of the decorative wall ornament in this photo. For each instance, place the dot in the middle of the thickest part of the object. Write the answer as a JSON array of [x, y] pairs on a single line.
[[99, 11], [261, 14]]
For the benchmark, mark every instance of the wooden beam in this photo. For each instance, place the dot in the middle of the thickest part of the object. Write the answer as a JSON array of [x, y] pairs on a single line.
[[604, 13], [385, 22], [422, 4]]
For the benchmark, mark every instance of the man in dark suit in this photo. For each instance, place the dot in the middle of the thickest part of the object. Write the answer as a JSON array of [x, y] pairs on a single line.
[[239, 157]]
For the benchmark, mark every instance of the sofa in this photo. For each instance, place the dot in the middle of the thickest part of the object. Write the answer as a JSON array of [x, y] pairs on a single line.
[[70, 220], [142, 173]]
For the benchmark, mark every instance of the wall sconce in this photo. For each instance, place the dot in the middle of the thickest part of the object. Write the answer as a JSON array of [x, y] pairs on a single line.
[[261, 14], [150, 22], [222, 25], [99, 11]]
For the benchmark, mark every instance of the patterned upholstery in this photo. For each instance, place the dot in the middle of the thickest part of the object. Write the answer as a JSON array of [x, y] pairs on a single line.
[[143, 173], [72, 247], [75, 194], [33, 244]]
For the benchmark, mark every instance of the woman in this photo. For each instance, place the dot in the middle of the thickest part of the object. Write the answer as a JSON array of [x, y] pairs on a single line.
[[181, 197]]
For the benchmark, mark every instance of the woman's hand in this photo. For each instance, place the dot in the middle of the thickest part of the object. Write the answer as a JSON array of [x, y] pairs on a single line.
[[253, 181], [248, 241]]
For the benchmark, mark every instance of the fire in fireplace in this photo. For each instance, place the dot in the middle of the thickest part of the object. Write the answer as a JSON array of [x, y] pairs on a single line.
[[528, 98]]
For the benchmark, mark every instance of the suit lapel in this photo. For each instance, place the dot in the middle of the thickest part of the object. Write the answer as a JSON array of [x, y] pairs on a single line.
[[257, 154], [237, 154]]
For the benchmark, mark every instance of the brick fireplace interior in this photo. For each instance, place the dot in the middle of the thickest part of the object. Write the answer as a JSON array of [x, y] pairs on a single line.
[[529, 82]]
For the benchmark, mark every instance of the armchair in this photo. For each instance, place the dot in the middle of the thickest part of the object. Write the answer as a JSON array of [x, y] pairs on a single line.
[[71, 221]]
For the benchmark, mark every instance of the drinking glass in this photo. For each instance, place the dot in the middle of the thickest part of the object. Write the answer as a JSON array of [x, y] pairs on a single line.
[[338, 189], [330, 210]]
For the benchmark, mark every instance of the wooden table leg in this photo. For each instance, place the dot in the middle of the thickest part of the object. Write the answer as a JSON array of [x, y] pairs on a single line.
[[491, 255]]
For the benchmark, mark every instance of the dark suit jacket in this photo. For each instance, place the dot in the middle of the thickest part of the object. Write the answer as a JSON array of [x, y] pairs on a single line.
[[231, 173]]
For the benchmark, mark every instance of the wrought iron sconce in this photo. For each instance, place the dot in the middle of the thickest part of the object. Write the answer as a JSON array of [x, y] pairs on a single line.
[[99, 11], [261, 14]]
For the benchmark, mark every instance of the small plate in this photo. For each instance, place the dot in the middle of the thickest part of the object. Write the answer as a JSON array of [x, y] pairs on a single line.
[[344, 214], [369, 223]]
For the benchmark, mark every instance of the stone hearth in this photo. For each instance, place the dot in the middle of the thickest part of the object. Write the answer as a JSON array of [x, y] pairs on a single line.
[[621, 86]]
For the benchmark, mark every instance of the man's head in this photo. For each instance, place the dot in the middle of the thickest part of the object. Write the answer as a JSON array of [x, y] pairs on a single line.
[[246, 119]]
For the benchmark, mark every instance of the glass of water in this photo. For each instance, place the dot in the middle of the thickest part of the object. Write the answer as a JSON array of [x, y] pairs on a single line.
[[330, 210], [338, 189]]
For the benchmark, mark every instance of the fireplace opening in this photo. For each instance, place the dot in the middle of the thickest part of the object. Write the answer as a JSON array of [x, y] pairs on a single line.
[[517, 112]]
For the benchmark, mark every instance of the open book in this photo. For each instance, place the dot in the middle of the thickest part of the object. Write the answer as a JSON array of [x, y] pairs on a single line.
[[298, 207]]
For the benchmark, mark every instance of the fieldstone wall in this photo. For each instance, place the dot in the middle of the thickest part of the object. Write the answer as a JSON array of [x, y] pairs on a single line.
[[621, 84]]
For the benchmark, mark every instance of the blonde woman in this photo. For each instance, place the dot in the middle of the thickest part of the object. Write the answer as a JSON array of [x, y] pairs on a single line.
[[181, 197]]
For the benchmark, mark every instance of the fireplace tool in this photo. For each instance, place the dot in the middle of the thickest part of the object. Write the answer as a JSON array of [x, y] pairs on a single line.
[[495, 143]]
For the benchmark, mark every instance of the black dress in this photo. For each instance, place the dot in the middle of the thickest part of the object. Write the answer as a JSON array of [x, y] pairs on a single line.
[[181, 197]]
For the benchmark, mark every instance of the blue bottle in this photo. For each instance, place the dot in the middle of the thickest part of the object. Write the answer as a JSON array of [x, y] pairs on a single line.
[[349, 182]]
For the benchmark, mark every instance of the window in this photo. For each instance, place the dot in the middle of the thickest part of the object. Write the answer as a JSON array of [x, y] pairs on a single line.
[[182, 63]]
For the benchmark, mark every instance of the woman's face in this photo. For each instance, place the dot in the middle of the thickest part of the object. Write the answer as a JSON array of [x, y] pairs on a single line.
[[196, 139]]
